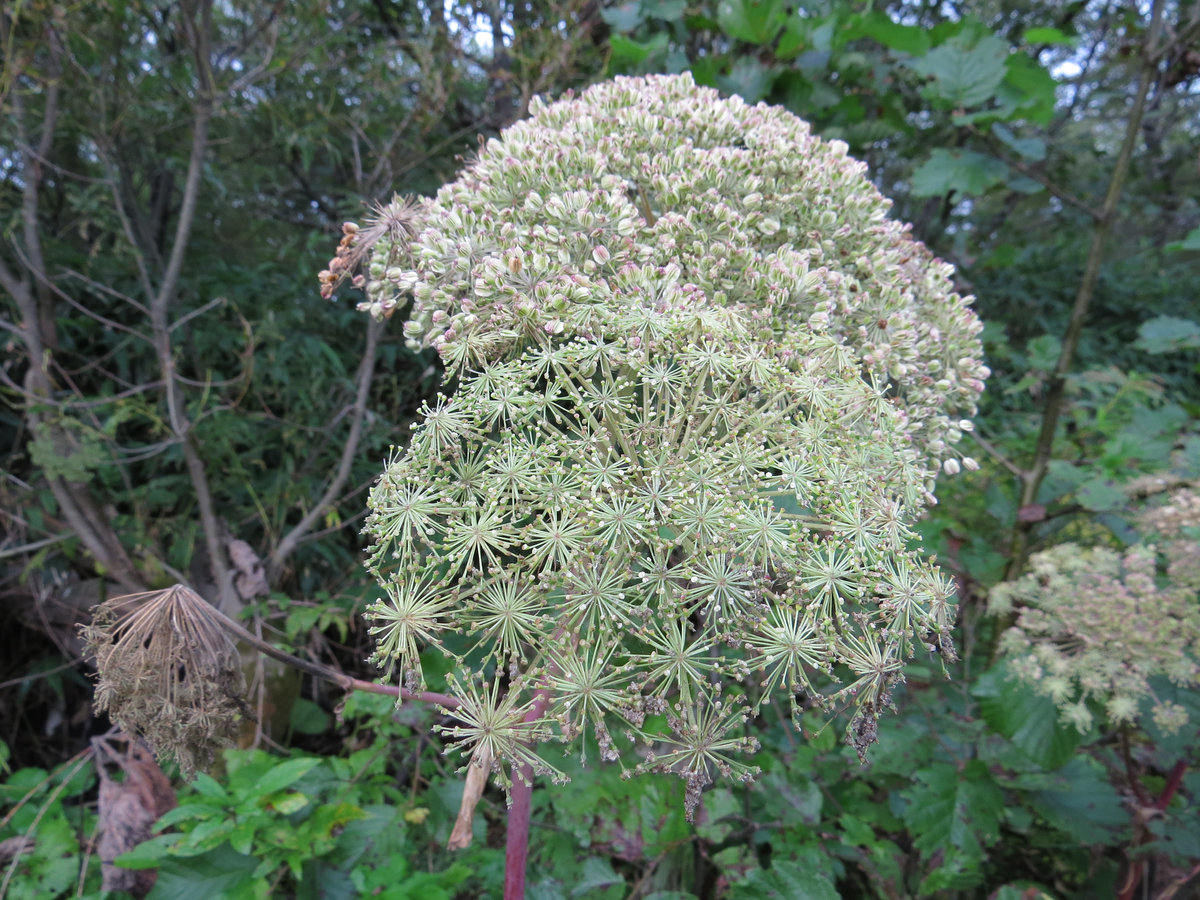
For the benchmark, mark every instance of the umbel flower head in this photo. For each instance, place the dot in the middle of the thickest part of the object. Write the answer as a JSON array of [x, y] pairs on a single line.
[[168, 671], [1094, 626], [698, 387]]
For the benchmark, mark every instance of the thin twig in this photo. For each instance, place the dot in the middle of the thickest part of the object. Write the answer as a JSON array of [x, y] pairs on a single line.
[[1102, 227]]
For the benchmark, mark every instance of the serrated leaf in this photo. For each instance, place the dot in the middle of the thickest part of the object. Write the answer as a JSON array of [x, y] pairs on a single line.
[[954, 810], [748, 78], [964, 171], [219, 873], [624, 17], [626, 51], [1080, 801], [1028, 90], [1033, 148], [597, 873], [785, 880], [754, 21], [879, 27], [1167, 334], [1028, 719], [965, 72]]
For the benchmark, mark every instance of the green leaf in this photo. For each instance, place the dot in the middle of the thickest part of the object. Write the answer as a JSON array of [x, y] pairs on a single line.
[[147, 854], [965, 72], [285, 774], [207, 786], [308, 718], [666, 10], [964, 171], [597, 873], [954, 810], [1033, 148], [624, 17], [1025, 717], [1079, 800], [1101, 495], [753, 21], [1046, 36], [1168, 334], [1028, 90], [628, 52], [785, 880], [748, 78], [1191, 242], [219, 873], [879, 27], [1044, 352]]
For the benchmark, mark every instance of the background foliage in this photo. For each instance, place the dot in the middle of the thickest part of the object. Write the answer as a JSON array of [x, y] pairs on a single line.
[[179, 404]]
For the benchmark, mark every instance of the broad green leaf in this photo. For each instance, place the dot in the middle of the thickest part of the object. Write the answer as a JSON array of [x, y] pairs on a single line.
[[1079, 800], [1027, 92], [879, 26], [626, 51], [1044, 352], [749, 79], [207, 786], [597, 874], [147, 854], [290, 803], [1033, 148], [794, 37], [1028, 719], [954, 810], [1190, 242], [1101, 495], [785, 880], [1168, 334], [624, 17], [753, 21], [964, 171], [965, 72], [667, 10], [285, 774], [220, 873]]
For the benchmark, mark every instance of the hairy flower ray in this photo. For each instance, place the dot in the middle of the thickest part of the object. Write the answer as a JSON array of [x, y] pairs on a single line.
[[676, 659], [478, 539], [705, 740], [493, 723], [510, 616], [412, 614], [588, 687], [555, 541]]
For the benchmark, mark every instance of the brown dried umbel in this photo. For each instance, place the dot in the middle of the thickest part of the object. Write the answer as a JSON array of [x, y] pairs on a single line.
[[168, 671]]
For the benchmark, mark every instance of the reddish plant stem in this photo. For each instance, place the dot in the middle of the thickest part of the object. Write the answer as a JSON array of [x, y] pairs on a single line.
[[1138, 866], [516, 843], [516, 849]]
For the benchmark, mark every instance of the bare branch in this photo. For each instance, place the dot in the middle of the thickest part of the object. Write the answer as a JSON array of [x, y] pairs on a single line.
[[1101, 229], [366, 371]]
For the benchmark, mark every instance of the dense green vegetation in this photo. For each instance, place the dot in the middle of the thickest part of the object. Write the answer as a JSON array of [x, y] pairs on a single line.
[[181, 405]]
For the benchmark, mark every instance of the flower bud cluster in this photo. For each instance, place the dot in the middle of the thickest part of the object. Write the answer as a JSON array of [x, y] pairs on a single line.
[[702, 387], [1094, 625]]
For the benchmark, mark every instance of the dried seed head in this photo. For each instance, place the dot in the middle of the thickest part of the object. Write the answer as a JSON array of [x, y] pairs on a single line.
[[168, 671]]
